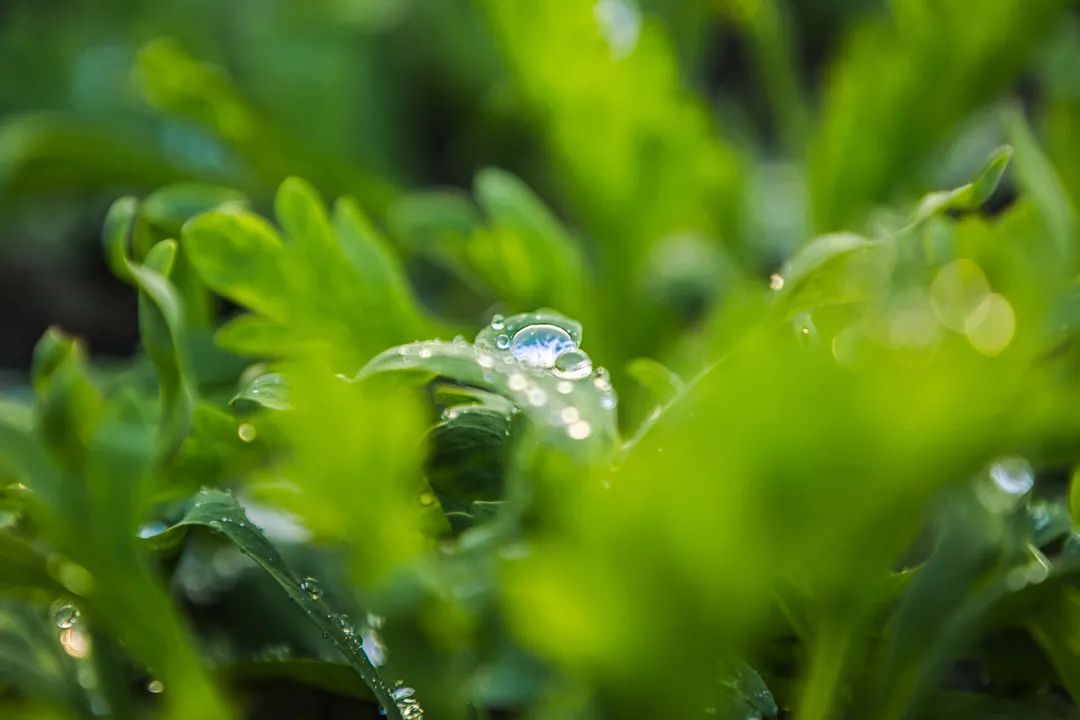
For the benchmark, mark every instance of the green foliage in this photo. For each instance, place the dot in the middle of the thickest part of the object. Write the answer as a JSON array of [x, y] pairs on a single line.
[[829, 475]]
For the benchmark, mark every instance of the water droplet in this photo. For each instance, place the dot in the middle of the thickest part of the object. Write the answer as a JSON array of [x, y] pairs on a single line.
[[579, 430], [570, 415], [425, 352], [75, 643], [517, 382], [565, 387], [602, 380], [156, 687], [246, 431], [609, 401], [1014, 475], [536, 397], [620, 24], [66, 616], [151, 529], [344, 623], [215, 526], [311, 587], [1004, 484], [502, 341], [539, 345], [485, 360], [572, 364], [427, 499], [776, 281], [497, 322]]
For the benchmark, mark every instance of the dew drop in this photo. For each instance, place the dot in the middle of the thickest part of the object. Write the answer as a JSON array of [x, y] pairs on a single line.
[[427, 499], [539, 345], [1005, 483], [485, 360], [602, 380], [572, 364], [517, 382], [565, 387], [498, 322], [311, 587], [75, 643], [425, 352], [776, 281], [502, 341], [66, 616], [536, 397], [1014, 475], [215, 526], [151, 529], [609, 401], [246, 431], [570, 415], [156, 687], [579, 430]]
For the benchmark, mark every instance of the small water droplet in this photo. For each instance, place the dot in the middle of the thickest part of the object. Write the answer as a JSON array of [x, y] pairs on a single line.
[[151, 529], [425, 352], [502, 341], [517, 382], [156, 687], [66, 616], [602, 380], [215, 526], [427, 499], [609, 401], [485, 360], [536, 397], [570, 415], [539, 345], [246, 431], [497, 322], [579, 430], [311, 587], [572, 364], [565, 387], [776, 281]]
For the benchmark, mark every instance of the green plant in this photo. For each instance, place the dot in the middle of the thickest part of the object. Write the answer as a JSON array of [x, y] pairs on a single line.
[[840, 487]]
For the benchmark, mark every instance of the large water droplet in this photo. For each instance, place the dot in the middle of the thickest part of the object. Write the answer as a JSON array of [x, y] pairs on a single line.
[[311, 587], [1005, 484], [539, 345], [66, 616], [572, 364], [1014, 475]]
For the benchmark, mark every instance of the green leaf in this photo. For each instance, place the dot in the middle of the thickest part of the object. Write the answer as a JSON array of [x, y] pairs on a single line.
[[970, 196], [380, 273], [524, 254], [220, 513], [239, 255], [662, 384], [268, 390], [1042, 183], [253, 336], [743, 693], [173, 205], [161, 321], [1056, 627]]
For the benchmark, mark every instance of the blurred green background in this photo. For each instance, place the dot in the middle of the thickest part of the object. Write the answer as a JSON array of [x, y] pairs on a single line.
[[848, 228]]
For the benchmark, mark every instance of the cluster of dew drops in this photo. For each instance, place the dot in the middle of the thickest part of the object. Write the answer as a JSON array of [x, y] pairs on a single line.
[[545, 346], [368, 643]]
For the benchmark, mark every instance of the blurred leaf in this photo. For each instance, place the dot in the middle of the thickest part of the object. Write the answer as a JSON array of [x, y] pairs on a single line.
[[220, 513], [268, 390]]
